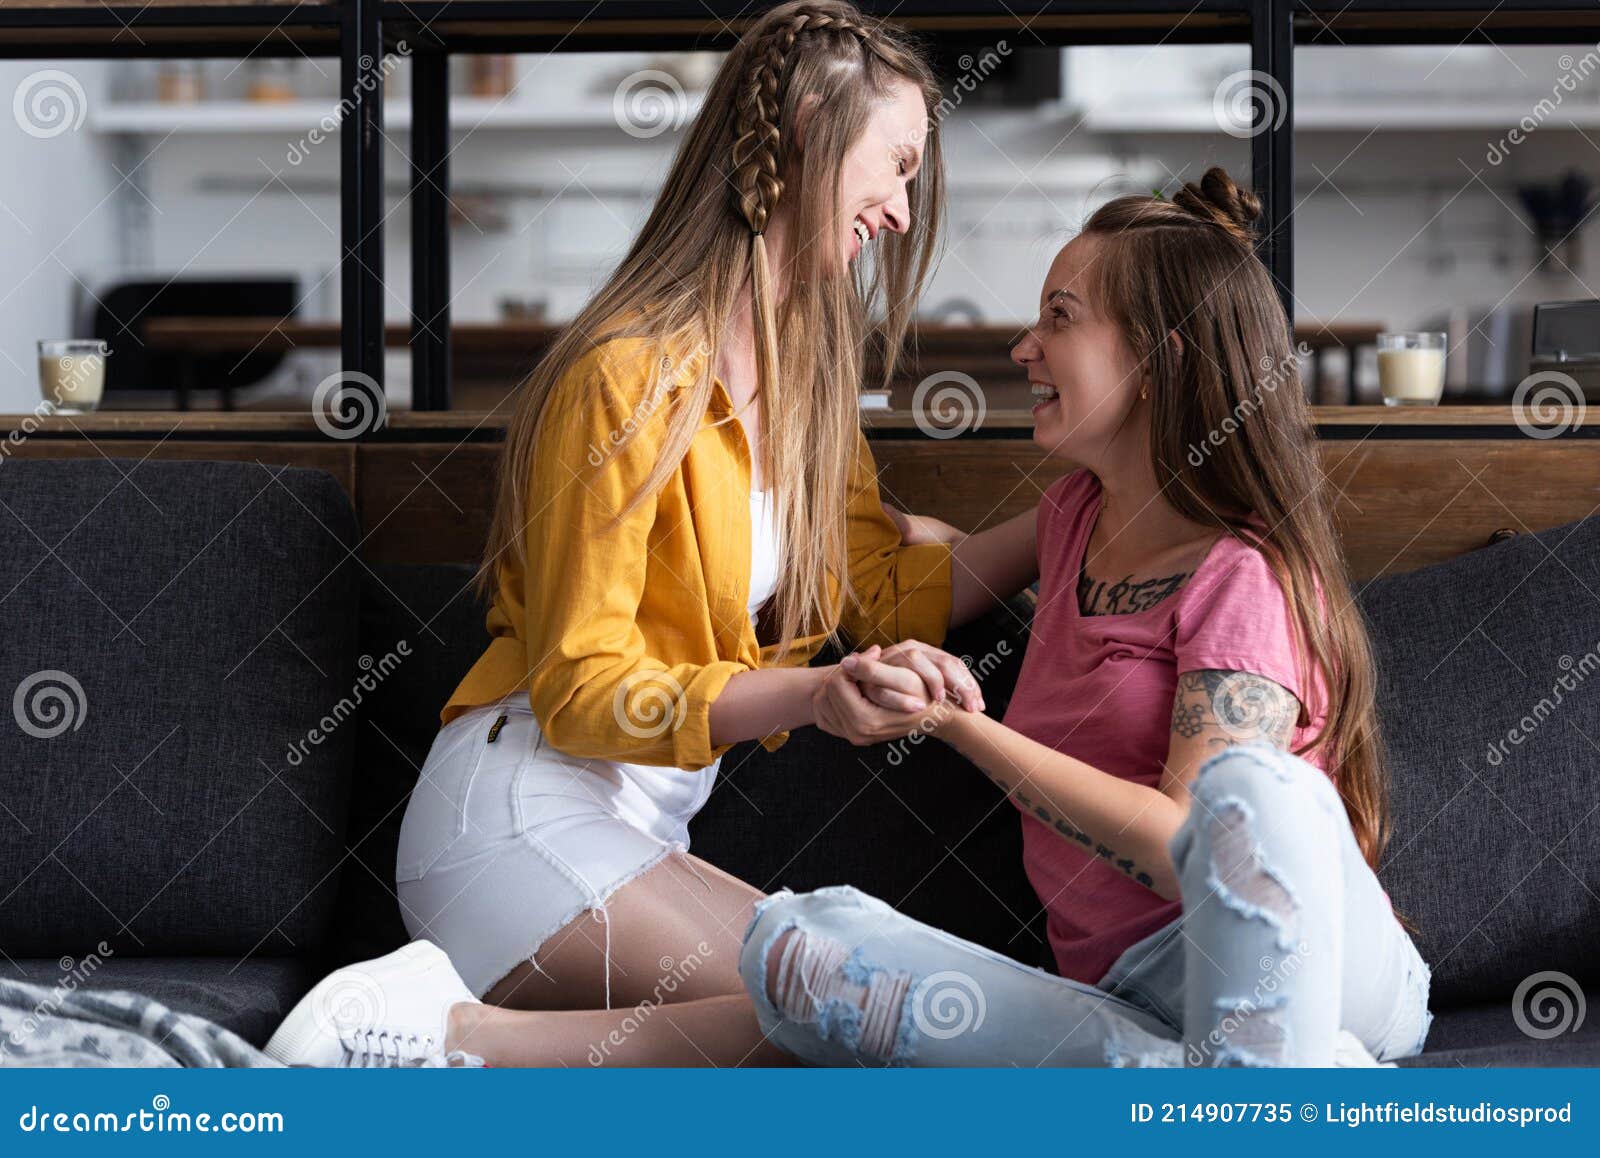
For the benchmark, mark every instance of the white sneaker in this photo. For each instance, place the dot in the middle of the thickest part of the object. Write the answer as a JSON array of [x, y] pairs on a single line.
[[1349, 1052], [390, 1011]]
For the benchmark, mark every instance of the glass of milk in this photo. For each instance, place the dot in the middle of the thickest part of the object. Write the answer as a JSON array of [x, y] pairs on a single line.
[[1411, 367], [72, 373]]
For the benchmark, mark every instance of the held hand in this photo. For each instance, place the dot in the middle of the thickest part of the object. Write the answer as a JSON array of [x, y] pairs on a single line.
[[884, 674], [841, 708]]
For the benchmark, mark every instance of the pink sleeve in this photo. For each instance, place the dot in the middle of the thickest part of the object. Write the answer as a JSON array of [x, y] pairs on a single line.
[[1239, 620]]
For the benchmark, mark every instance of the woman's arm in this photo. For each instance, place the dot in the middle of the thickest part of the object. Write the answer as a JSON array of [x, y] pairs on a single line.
[[755, 704], [991, 566], [1126, 824]]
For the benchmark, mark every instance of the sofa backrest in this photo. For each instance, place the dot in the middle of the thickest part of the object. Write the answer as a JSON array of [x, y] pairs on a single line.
[[1489, 704], [179, 656]]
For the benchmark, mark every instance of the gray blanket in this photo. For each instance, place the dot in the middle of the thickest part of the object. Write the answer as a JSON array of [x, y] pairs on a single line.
[[60, 1027]]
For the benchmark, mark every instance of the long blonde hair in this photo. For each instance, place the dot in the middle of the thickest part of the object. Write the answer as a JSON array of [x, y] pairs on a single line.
[[681, 282], [1186, 266]]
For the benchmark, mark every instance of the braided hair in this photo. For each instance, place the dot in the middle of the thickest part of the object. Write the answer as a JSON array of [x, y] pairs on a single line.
[[755, 177]]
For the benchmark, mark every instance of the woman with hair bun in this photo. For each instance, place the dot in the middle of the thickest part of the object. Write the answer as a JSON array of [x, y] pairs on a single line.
[[1192, 744]]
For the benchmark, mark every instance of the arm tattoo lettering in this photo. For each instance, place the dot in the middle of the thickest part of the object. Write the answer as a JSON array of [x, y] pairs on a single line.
[[1224, 708], [1069, 831]]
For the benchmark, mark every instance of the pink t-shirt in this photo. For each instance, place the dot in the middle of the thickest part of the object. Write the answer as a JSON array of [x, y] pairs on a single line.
[[1100, 688]]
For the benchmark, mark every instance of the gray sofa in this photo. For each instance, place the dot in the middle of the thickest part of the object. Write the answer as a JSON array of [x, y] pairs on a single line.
[[218, 711]]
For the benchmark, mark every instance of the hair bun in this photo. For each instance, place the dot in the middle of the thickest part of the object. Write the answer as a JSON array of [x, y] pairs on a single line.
[[1218, 200]]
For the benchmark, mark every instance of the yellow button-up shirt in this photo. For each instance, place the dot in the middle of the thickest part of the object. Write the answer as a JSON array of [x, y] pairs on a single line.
[[657, 607]]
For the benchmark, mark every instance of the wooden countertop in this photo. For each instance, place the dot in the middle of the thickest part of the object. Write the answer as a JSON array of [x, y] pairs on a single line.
[[424, 425]]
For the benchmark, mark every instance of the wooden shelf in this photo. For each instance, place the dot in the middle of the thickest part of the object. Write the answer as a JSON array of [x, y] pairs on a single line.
[[660, 25], [411, 424], [88, 29]]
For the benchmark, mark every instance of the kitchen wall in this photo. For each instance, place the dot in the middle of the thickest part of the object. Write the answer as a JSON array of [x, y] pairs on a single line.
[[1390, 227], [58, 218]]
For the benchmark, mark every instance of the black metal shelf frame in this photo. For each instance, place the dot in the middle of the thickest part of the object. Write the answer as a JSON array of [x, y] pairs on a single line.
[[360, 31]]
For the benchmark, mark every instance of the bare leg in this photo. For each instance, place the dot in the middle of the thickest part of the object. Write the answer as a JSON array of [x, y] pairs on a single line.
[[675, 934]]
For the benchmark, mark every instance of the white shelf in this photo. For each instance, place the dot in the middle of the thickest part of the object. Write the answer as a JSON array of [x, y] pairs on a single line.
[[1195, 117], [155, 117]]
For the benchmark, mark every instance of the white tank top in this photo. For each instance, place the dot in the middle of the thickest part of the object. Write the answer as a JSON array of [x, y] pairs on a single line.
[[763, 550]]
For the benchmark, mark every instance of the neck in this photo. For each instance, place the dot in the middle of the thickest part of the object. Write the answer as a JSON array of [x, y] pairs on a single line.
[[1135, 515]]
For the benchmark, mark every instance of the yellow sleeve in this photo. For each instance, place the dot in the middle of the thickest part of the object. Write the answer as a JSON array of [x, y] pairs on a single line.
[[904, 591], [595, 690]]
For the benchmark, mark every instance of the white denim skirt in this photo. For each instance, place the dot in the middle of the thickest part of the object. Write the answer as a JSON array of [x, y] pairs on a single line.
[[506, 841]]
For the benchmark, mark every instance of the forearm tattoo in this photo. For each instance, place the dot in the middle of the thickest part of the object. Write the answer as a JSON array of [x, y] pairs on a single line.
[[1096, 597], [1224, 708], [1065, 829]]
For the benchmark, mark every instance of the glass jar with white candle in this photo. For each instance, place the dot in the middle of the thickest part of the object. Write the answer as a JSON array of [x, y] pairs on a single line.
[[1411, 367], [72, 373]]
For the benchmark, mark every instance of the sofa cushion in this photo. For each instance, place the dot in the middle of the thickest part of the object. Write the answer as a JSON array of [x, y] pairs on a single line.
[[250, 997], [1489, 703], [174, 634], [1488, 1034], [430, 611]]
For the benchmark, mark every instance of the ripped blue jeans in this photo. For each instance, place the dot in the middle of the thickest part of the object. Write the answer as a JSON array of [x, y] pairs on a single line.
[[1286, 939]]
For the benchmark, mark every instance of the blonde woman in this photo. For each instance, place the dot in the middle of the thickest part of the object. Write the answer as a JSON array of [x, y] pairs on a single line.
[[688, 454]]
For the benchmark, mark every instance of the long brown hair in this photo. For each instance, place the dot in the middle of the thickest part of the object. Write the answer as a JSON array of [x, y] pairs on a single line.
[[703, 246], [1231, 435]]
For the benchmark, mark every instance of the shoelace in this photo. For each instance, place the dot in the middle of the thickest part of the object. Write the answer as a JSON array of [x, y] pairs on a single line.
[[382, 1048]]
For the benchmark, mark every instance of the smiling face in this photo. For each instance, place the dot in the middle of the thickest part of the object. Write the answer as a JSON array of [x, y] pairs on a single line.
[[878, 167], [1085, 377]]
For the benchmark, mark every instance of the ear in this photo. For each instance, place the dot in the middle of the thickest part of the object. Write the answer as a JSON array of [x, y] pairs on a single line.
[[1177, 343]]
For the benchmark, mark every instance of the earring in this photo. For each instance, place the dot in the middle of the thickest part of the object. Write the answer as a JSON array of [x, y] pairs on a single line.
[[1144, 392]]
